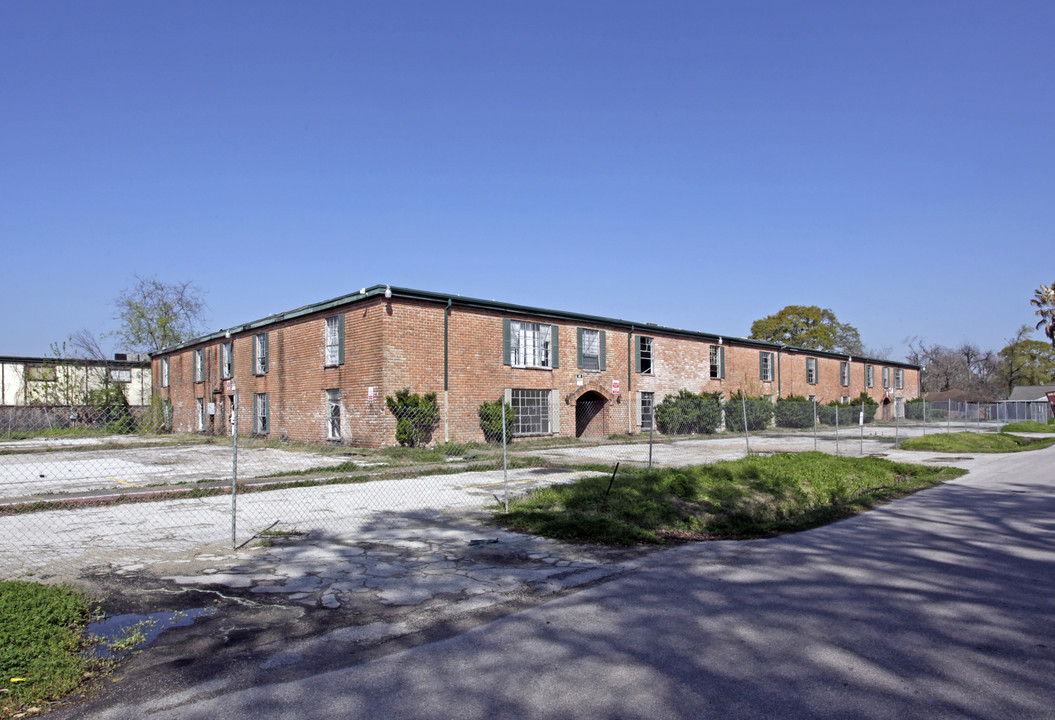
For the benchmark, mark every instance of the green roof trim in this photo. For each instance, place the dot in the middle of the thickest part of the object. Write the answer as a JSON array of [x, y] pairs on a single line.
[[443, 298]]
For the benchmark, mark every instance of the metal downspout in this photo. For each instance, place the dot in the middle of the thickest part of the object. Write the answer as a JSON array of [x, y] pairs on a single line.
[[629, 378], [446, 376]]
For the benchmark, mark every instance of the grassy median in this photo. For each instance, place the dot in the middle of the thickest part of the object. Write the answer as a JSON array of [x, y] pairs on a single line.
[[753, 497], [969, 442]]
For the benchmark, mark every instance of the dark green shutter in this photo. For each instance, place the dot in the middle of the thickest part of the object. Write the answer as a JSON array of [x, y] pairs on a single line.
[[637, 353], [721, 361], [340, 339], [578, 348], [506, 334], [264, 355], [601, 351], [761, 366], [554, 338], [267, 410]]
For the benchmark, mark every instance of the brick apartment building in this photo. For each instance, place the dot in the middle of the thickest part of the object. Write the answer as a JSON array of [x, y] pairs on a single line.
[[322, 372]]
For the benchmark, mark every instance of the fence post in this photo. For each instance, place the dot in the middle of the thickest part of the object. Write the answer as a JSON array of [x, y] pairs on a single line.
[[837, 452], [814, 426], [924, 417], [651, 425], [966, 408], [234, 473], [505, 459], [897, 425], [747, 437], [861, 420]]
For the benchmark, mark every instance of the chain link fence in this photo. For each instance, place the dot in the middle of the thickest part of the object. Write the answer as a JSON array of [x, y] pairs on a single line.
[[84, 487]]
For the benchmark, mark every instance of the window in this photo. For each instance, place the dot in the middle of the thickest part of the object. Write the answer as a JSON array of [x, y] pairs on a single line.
[[260, 363], [899, 379], [333, 414], [766, 370], [334, 341], [592, 350], [647, 404], [199, 407], [845, 400], [532, 411], [886, 377], [717, 362], [528, 344], [164, 372], [643, 357], [41, 373], [261, 414], [227, 359], [870, 375], [811, 371], [199, 365], [844, 373], [120, 375]]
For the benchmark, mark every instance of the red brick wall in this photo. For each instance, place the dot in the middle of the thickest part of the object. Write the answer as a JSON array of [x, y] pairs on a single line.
[[399, 343]]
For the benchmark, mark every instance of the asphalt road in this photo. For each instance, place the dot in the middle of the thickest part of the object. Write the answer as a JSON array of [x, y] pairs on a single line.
[[941, 605]]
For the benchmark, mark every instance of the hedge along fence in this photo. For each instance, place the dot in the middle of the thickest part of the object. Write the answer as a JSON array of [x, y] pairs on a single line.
[[794, 411], [759, 413], [687, 413]]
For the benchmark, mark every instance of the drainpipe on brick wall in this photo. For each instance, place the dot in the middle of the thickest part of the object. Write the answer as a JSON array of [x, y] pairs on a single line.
[[629, 377], [779, 378], [446, 376]]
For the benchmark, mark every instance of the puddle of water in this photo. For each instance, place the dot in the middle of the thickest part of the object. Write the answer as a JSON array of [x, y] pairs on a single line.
[[121, 634]]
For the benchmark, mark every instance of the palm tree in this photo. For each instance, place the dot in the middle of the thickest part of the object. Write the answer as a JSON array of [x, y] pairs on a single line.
[[1045, 302]]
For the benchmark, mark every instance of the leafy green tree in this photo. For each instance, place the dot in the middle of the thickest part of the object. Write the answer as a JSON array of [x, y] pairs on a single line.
[[156, 315], [1027, 362], [808, 326], [111, 407], [1045, 302]]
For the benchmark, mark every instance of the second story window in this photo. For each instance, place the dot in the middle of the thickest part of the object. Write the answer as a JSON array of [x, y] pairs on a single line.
[[766, 367], [811, 371], [844, 374], [591, 349], [260, 360], [164, 372], [334, 341], [870, 375], [199, 365], [530, 344], [643, 357], [227, 359], [717, 362]]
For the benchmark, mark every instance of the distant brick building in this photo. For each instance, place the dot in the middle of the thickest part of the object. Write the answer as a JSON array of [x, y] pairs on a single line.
[[323, 371]]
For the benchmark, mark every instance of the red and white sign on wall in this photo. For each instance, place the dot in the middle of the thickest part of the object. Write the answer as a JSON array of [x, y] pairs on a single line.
[[1051, 400], [615, 387]]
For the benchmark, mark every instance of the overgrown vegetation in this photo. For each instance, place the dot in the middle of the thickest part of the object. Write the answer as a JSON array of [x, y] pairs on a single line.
[[491, 421], [110, 405], [1030, 426], [416, 416], [753, 497], [42, 635], [689, 412], [759, 412], [969, 442]]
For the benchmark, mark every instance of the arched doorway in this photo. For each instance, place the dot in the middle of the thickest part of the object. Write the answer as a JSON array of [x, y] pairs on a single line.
[[591, 415], [885, 409]]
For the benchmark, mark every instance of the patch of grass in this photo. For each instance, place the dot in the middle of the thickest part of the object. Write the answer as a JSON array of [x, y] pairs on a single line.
[[968, 442], [1028, 426], [42, 636], [753, 497]]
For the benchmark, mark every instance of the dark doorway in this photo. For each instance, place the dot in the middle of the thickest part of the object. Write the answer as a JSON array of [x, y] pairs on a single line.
[[591, 416]]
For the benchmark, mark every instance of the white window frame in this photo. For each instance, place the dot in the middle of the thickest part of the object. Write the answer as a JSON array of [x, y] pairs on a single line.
[[260, 351], [647, 409], [261, 414], [530, 344], [591, 349], [812, 376], [120, 375], [717, 362], [899, 379], [870, 375], [199, 365], [533, 410], [227, 359], [886, 378], [646, 355], [333, 341], [333, 414], [844, 373], [199, 410], [766, 366], [164, 372]]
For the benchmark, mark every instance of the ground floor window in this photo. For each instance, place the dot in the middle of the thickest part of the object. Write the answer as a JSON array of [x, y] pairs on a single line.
[[532, 411], [333, 406], [261, 414], [199, 411], [647, 404]]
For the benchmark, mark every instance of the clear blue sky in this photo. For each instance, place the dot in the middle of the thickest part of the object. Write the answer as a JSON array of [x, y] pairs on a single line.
[[694, 164]]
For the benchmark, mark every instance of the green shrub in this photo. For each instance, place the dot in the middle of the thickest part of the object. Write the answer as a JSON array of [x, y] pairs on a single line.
[[491, 421], [794, 411], [111, 406], [689, 412], [847, 414], [416, 416], [759, 413], [914, 410]]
